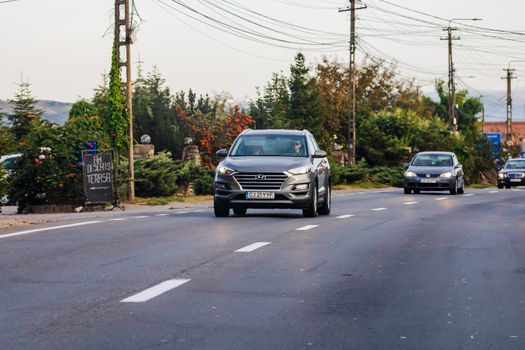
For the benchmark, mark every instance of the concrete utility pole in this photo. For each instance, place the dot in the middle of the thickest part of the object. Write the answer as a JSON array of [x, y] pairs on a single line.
[[452, 115], [510, 75], [352, 83], [123, 31]]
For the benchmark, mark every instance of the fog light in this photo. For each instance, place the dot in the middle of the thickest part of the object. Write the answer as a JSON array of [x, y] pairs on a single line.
[[221, 186], [303, 187]]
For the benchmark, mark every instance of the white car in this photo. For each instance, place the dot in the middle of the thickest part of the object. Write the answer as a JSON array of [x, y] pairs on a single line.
[[4, 163]]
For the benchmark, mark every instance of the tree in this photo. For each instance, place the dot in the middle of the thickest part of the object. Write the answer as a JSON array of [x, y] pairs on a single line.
[[7, 139], [305, 110], [24, 111]]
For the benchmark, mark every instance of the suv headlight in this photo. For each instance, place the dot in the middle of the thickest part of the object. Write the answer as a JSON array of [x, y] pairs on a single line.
[[410, 174], [502, 175], [447, 175], [300, 170], [223, 170]]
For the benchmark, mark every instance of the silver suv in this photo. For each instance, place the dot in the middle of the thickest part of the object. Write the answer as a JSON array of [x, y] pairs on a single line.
[[273, 169]]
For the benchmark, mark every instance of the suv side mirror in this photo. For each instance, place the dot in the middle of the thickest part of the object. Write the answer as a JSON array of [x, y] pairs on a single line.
[[319, 154], [222, 153]]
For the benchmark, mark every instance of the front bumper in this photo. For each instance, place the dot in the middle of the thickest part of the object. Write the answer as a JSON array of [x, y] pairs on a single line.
[[440, 184], [229, 191], [511, 182]]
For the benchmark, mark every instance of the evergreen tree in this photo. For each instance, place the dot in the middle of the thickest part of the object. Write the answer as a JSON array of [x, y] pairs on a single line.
[[305, 109], [24, 111], [7, 139]]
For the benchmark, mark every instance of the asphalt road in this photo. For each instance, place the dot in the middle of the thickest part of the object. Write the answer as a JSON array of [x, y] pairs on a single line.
[[384, 271]]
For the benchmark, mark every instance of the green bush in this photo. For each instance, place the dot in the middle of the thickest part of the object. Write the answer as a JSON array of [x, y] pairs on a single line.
[[392, 176]]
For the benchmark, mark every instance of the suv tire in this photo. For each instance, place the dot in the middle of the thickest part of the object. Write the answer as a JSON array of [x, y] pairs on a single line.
[[220, 210], [407, 190], [326, 207], [311, 211]]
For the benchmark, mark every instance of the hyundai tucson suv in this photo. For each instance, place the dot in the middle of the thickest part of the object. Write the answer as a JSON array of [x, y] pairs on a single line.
[[434, 171], [512, 173], [273, 169]]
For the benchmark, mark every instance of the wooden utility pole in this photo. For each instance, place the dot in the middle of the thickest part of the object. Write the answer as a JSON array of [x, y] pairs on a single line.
[[123, 31], [352, 83], [510, 75], [452, 119]]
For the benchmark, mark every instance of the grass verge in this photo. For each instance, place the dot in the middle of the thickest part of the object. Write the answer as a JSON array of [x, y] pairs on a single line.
[[361, 186], [171, 199]]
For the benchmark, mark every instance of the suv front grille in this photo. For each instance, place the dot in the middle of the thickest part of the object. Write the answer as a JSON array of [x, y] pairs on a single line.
[[515, 175], [261, 181]]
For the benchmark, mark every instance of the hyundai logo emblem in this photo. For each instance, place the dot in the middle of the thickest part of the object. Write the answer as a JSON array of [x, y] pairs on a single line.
[[428, 175], [260, 177]]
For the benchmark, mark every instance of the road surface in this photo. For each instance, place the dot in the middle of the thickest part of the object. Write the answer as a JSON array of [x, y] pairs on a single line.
[[384, 271]]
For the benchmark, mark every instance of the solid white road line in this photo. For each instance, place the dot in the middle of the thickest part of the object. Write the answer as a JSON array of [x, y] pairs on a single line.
[[252, 247], [378, 209], [307, 227], [344, 216], [48, 229], [161, 215], [468, 195], [440, 198], [410, 203], [154, 291]]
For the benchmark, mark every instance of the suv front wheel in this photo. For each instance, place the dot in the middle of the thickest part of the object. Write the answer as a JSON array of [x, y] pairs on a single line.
[[220, 210], [327, 203], [311, 211]]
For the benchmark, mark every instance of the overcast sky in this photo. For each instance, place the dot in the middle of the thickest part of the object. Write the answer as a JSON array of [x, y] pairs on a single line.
[[60, 48]]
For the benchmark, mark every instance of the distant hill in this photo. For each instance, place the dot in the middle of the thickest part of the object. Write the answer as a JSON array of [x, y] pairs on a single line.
[[54, 111]]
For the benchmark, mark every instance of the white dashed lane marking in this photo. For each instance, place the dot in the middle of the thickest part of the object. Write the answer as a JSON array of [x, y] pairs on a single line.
[[468, 195], [344, 216], [155, 291], [181, 212], [410, 203], [307, 227], [48, 229], [118, 219], [252, 247], [161, 215], [441, 198], [140, 217], [378, 209], [493, 191]]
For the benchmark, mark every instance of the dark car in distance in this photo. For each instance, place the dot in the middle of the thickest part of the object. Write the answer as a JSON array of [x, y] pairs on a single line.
[[434, 171], [273, 169], [512, 173]]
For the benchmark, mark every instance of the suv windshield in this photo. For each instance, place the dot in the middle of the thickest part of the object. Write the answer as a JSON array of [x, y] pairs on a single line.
[[515, 164], [433, 160], [270, 145]]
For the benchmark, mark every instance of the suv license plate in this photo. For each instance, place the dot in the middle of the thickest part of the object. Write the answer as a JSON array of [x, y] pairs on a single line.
[[428, 181], [260, 195], [515, 180]]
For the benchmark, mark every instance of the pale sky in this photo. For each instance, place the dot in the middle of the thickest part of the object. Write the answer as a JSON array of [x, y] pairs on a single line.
[[60, 48]]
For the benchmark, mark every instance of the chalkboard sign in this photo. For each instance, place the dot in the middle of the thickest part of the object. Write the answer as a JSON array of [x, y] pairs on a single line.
[[98, 177]]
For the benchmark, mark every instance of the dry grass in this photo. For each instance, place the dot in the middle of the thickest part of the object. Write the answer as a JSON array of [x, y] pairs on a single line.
[[171, 199]]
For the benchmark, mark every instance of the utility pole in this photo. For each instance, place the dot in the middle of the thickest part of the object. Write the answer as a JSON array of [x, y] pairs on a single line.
[[452, 120], [452, 113], [509, 76], [352, 83], [123, 31]]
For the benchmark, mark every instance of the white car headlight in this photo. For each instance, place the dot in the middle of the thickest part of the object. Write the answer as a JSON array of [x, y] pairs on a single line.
[[299, 171], [447, 175], [502, 175], [410, 174], [225, 170]]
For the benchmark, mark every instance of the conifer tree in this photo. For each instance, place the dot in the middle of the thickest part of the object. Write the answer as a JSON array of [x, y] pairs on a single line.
[[24, 111]]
